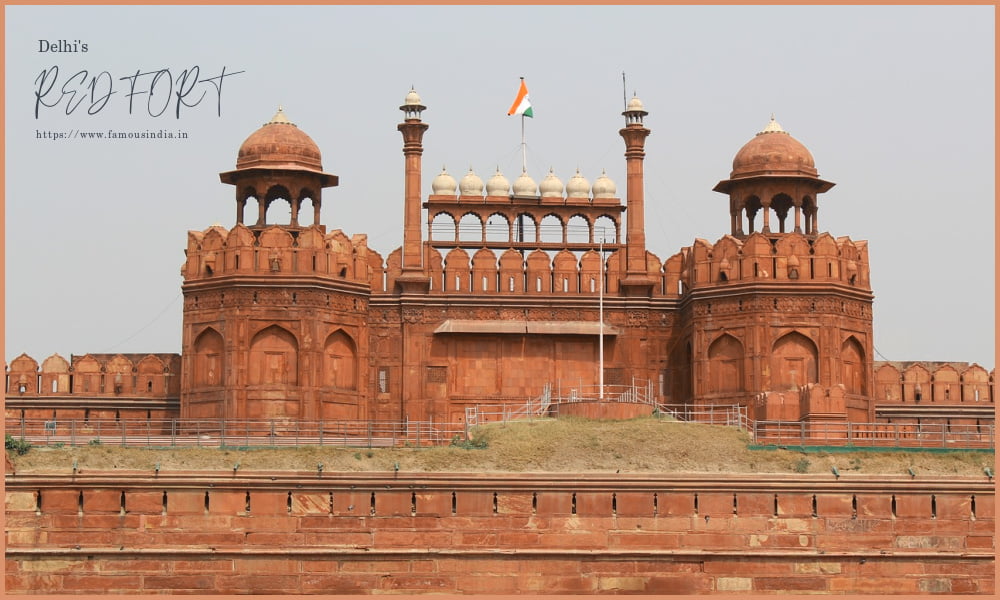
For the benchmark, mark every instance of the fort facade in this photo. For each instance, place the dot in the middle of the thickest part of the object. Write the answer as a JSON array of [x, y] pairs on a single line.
[[504, 288]]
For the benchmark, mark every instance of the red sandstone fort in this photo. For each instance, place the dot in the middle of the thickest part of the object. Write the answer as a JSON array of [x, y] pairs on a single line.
[[509, 289], [504, 295]]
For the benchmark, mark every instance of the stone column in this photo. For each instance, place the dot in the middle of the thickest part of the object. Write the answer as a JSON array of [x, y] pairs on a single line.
[[636, 281], [413, 278]]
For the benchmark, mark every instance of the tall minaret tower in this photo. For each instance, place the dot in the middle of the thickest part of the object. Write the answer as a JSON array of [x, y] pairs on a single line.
[[637, 281], [413, 277]]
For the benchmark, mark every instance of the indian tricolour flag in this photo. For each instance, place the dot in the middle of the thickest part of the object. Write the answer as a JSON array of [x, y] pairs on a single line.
[[522, 105]]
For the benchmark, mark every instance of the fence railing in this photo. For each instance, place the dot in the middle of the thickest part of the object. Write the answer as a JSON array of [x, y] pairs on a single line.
[[215, 433], [725, 415], [640, 392], [889, 435]]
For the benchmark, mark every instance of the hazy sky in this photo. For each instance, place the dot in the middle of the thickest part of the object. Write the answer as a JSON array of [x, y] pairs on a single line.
[[896, 104]]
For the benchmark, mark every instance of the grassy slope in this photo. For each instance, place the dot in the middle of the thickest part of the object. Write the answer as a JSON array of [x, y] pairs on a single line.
[[563, 445]]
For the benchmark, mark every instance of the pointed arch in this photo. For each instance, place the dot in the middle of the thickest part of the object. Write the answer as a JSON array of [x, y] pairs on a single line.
[[852, 367], [578, 230], [888, 387], [340, 361], [497, 228], [511, 272], [484, 271], [208, 359], [120, 371], [538, 273], [150, 372], [794, 361], [916, 384], [565, 272], [725, 365], [457, 271], [471, 228], [274, 357], [946, 386], [22, 375], [975, 384], [55, 375], [276, 192], [87, 375]]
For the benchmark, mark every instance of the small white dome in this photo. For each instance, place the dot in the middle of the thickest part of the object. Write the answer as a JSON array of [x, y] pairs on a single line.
[[635, 104], [604, 187], [525, 185], [412, 98], [444, 184], [551, 186], [578, 186], [498, 185], [471, 184]]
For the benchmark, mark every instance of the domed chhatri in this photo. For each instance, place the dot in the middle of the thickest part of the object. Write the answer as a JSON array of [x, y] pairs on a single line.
[[525, 185], [604, 187], [577, 186], [471, 184], [444, 184], [551, 186], [280, 144], [773, 152], [498, 185]]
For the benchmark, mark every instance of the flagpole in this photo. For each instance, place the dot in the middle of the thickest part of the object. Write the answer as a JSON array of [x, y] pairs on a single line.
[[600, 334], [524, 152]]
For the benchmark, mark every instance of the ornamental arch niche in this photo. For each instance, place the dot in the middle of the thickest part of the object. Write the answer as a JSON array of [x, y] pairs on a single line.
[[793, 362], [852, 366], [273, 357], [208, 359], [280, 194], [725, 365], [340, 361]]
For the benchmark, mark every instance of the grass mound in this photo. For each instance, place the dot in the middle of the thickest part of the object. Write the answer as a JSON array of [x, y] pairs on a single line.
[[643, 445]]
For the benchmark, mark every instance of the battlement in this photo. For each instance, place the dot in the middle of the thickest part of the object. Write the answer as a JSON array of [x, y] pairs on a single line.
[[786, 258], [276, 251]]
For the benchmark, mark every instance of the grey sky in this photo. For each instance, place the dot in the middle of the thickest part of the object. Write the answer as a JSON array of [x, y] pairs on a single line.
[[895, 103]]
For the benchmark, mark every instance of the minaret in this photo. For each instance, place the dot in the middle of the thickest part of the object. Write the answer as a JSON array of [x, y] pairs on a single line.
[[412, 278], [637, 282]]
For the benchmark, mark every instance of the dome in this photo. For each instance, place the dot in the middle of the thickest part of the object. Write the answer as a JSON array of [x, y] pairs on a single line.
[[444, 184], [525, 185], [551, 186], [578, 186], [635, 105], [412, 98], [279, 144], [498, 185], [604, 187], [471, 184], [773, 152]]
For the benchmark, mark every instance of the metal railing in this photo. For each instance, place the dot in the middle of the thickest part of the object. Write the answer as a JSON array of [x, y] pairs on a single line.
[[216, 433], [639, 392], [713, 414], [510, 410], [883, 435]]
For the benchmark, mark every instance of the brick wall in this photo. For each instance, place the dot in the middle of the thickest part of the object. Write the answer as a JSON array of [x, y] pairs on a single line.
[[354, 533]]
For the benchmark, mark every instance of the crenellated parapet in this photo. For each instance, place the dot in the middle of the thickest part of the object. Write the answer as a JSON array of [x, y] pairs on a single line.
[[924, 383], [787, 259], [277, 251], [149, 375]]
